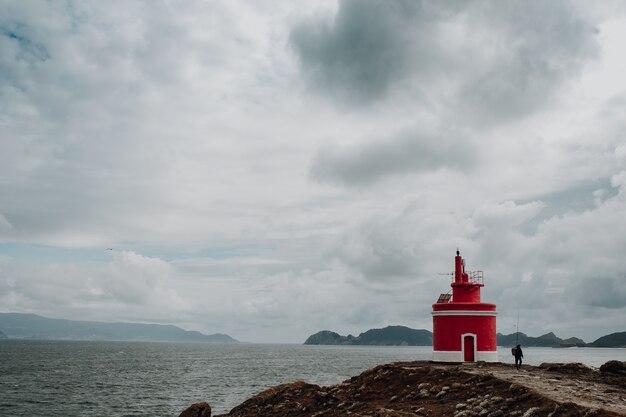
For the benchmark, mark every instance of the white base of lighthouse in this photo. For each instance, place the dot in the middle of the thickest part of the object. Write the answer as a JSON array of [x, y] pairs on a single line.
[[457, 356]]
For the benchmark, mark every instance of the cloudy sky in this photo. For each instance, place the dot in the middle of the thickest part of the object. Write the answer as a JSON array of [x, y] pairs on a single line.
[[271, 169]]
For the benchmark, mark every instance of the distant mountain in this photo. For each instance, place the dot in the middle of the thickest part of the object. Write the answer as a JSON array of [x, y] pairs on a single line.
[[404, 336], [611, 340], [31, 326], [389, 336], [546, 340], [3, 336]]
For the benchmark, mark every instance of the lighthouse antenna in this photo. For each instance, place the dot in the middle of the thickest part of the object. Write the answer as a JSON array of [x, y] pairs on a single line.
[[517, 327]]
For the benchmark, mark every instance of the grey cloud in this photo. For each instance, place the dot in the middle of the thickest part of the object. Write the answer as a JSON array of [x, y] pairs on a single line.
[[105, 115], [488, 61], [570, 261], [23, 47], [374, 254], [5, 225], [578, 198], [506, 214], [399, 248], [409, 152], [607, 292], [367, 48], [537, 47]]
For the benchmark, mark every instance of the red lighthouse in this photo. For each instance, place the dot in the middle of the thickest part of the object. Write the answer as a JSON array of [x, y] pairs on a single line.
[[464, 329]]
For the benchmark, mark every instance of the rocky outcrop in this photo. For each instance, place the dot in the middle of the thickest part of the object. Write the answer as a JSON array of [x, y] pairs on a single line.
[[202, 409], [614, 367], [567, 368], [430, 389]]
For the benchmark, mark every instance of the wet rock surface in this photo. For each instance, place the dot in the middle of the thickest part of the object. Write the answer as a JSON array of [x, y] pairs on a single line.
[[460, 390], [202, 409]]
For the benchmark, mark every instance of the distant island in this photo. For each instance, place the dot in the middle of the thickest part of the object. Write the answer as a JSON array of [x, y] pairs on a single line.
[[32, 326], [405, 336], [611, 340], [546, 340], [389, 336]]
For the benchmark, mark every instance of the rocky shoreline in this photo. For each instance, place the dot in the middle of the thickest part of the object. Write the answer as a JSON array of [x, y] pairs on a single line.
[[432, 389]]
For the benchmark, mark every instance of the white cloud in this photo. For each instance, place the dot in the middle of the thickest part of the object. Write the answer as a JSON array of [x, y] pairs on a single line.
[[130, 287]]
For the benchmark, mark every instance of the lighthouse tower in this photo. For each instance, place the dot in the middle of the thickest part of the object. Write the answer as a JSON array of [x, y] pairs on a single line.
[[464, 329]]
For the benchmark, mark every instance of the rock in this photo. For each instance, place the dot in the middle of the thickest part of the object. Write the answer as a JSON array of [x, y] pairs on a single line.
[[566, 368], [202, 409], [530, 412], [614, 367], [516, 389]]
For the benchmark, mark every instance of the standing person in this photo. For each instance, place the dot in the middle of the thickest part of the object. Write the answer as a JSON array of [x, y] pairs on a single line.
[[518, 356]]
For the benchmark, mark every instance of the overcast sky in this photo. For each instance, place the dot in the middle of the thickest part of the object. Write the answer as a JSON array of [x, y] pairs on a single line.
[[271, 169]]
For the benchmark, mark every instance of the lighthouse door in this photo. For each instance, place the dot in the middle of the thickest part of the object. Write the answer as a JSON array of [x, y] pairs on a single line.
[[468, 348]]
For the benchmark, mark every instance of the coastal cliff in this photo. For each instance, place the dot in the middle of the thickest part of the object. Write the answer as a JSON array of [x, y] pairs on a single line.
[[430, 389]]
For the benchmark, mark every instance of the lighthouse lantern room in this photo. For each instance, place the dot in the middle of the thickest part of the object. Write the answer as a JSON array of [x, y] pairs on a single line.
[[464, 328]]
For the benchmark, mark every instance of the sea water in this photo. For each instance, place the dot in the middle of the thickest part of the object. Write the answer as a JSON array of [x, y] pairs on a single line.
[[63, 378]]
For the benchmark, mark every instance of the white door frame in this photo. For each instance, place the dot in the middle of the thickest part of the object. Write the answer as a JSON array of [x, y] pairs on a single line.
[[473, 335]]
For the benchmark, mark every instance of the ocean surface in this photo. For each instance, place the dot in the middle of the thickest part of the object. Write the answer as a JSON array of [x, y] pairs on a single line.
[[63, 378]]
